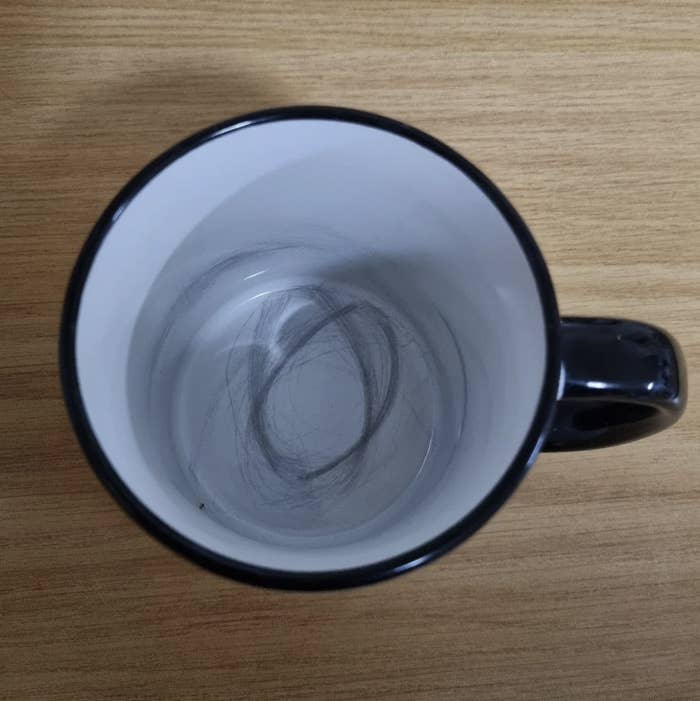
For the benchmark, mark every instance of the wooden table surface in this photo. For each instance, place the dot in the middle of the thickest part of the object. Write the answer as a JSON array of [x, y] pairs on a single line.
[[587, 584]]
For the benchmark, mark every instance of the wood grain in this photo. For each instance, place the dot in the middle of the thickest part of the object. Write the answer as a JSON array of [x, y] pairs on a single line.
[[587, 115]]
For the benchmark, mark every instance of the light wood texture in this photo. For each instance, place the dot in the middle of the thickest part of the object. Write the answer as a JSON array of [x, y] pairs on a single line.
[[587, 115]]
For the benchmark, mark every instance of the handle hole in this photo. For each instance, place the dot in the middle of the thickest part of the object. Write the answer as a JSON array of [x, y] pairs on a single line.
[[597, 415]]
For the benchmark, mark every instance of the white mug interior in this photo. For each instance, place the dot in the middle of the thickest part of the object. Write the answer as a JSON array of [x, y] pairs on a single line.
[[310, 345]]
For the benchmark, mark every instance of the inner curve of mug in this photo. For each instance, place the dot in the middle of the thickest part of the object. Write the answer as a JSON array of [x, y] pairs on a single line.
[[310, 345], [299, 394]]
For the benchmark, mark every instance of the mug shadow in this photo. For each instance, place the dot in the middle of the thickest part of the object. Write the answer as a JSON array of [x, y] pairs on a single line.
[[124, 123]]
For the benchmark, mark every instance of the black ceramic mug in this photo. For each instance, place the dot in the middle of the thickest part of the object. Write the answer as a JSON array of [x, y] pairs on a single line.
[[313, 348]]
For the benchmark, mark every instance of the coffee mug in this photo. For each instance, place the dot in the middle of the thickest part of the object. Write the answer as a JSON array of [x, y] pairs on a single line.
[[313, 348]]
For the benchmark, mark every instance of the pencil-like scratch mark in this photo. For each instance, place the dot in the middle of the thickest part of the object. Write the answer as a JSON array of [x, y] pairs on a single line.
[[375, 408], [358, 334]]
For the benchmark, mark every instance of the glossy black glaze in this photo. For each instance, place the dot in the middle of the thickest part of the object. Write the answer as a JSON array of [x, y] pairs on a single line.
[[623, 380]]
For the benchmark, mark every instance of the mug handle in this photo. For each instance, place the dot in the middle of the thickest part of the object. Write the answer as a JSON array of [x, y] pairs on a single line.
[[622, 380]]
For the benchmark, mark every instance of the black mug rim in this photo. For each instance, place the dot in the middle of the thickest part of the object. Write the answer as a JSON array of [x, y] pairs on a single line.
[[331, 579]]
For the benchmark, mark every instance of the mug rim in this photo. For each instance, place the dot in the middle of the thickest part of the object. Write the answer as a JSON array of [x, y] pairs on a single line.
[[338, 578]]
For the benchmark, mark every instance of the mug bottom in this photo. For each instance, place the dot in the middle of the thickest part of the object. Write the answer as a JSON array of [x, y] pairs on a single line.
[[299, 398]]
